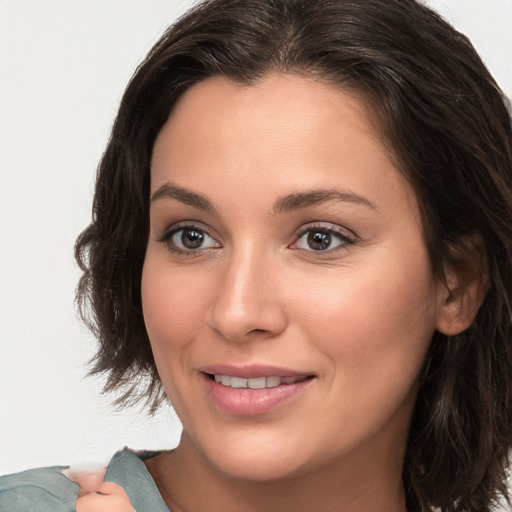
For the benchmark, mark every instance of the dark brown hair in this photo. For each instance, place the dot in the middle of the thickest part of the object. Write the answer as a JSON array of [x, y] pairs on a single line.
[[448, 126]]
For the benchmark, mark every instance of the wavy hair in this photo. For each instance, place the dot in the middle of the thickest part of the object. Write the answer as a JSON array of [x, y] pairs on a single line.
[[448, 127]]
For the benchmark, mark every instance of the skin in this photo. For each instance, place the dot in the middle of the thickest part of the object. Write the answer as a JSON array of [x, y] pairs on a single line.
[[358, 316], [95, 495]]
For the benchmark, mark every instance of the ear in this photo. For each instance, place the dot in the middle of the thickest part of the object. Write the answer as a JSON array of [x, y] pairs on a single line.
[[466, 284]]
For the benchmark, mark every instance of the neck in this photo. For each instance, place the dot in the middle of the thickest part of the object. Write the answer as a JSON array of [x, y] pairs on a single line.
[[371, 481]]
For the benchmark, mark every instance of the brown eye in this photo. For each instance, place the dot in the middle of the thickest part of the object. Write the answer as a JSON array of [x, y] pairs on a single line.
[[323, 239], [190, 238], [318, 240]]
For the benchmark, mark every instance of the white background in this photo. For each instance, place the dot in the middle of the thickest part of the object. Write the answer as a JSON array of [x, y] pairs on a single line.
[[63, 67]]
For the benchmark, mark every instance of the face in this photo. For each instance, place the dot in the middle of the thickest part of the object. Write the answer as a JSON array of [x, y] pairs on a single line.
[[287, 291]]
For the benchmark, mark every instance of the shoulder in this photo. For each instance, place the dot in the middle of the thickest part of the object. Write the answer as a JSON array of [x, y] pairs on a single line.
[[41, 490], [49, 490], [128, 470]]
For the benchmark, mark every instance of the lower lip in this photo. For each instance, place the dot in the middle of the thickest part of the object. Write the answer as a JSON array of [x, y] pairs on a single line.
[[251, 402]]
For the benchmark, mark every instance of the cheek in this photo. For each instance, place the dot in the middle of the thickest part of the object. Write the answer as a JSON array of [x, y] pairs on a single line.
[[374, 326], [173, 307]]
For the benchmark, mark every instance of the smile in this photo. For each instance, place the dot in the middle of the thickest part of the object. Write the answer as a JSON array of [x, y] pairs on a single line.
[[255, 390], [256, 382]]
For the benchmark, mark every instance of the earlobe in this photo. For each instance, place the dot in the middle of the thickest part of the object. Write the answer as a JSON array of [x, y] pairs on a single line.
[[466, 286]]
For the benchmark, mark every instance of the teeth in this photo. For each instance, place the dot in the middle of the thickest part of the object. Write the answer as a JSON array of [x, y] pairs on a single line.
[[237, 382], [273, 382], [256, 382]]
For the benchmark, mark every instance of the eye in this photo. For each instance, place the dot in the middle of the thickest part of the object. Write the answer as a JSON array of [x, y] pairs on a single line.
[[187, 239], [322, 239]]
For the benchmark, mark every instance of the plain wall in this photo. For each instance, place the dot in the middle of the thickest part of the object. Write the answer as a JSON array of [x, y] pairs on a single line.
[[63, 67]]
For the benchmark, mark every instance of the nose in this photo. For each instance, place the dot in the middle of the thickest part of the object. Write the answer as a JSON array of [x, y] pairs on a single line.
[[249, 302]]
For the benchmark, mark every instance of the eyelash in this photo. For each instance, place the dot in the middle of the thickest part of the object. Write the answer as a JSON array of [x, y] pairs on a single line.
[[167, 237], [345, 238]]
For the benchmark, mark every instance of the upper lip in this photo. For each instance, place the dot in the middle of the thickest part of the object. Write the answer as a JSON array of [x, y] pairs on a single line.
[[252, 371]]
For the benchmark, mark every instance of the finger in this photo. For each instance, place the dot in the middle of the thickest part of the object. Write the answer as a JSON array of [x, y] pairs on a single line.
[[92, 503], [89, 482], [117, 502], [110, 488]]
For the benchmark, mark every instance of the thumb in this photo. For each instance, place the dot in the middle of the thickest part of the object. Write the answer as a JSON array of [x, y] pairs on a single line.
[[110, 497], [89, 481]]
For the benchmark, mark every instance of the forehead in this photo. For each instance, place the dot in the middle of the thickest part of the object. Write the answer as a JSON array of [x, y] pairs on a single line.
[[286, 131], [278, 104]]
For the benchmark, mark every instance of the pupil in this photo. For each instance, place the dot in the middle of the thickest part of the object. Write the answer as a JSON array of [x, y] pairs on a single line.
[[192, 239], [319, 241]]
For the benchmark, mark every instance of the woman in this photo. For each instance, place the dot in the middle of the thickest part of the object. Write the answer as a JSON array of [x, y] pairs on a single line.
[[302, 236]]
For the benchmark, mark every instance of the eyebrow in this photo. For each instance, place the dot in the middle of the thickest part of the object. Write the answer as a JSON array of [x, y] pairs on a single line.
[[170, 191], [290, 202], [300, 200]]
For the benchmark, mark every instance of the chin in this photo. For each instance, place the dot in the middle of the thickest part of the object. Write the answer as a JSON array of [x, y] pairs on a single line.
[[260, 456], [263, 468]]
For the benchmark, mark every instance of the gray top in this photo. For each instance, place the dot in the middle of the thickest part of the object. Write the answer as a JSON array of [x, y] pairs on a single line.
[[48, 490]]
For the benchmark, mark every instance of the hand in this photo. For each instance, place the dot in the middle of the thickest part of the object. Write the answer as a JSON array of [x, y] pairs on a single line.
[[109, 497], [95, 495]]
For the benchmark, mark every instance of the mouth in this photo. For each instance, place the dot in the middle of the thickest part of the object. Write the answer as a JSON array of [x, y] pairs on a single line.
[[255, 390], [256, 382]]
